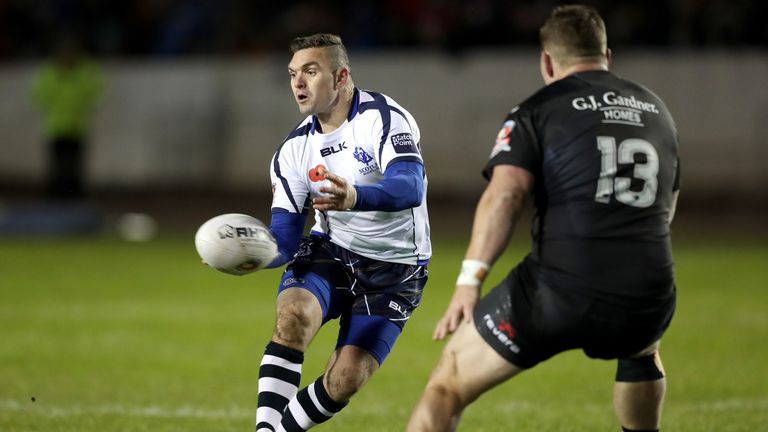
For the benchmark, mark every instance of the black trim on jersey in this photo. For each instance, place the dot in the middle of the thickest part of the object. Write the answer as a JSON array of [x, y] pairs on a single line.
[[405, 159], [379, 102], [276, 164], [327, 232], [299, 131], [413, 230], [395, 109], [355, 105]]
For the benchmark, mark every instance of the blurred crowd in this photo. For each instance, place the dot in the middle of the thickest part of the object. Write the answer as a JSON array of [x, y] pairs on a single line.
[[168, 28]]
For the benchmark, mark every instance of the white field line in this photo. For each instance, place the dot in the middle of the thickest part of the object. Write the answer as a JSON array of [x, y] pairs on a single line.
[[38, 408]]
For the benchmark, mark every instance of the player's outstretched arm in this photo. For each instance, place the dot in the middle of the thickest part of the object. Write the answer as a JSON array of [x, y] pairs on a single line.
[[286, 228], [495, 218]]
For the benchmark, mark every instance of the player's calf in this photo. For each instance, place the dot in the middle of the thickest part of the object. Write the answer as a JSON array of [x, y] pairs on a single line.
[[279, 379], [310, 407], [639, 393]]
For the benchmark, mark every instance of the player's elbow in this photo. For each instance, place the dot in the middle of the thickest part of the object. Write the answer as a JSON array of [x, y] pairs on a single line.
[[415, 194]]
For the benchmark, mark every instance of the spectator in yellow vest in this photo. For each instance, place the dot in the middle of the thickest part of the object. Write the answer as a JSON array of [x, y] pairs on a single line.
[[67, 90]]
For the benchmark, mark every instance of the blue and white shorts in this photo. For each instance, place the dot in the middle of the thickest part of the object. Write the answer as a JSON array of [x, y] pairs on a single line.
[[374, 299]]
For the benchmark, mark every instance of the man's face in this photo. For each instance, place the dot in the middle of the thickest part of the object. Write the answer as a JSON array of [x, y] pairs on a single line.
[[313, 81]]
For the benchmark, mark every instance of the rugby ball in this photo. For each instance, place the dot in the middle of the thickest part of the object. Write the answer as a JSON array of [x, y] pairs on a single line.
[[235, 243]]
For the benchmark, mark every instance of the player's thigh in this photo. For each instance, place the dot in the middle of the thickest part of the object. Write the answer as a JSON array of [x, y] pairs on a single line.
[[469, 366]]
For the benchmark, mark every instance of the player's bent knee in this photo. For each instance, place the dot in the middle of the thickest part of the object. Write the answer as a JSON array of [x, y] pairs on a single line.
[[446, 396], [444, 383], [638, 369], [342, 386], [295, 324]]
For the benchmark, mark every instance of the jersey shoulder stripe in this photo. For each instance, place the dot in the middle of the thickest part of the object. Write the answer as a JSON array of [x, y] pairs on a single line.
[[302, 129], [385, 109], [379, 103]]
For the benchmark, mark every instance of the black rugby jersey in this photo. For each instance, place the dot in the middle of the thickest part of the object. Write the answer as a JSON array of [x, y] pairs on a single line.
[[603, 153]]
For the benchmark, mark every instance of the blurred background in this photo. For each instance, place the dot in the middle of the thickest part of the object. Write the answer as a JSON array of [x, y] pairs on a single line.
[[173, 108]]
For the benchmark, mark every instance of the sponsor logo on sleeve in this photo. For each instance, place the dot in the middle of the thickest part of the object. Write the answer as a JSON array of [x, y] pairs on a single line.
[[502, 139], [403, 143]]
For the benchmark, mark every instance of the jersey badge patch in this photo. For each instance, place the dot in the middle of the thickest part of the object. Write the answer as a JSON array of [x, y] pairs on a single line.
[[403, 143], [362, 156], [314, 174], [502, 139]]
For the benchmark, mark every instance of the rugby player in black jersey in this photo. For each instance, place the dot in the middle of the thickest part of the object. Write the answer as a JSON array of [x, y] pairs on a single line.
[[598, 155]]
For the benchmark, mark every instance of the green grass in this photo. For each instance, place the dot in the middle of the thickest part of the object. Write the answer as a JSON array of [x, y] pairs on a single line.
[[113, 336]]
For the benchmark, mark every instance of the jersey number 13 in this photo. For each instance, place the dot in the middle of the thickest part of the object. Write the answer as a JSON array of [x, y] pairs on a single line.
[[609, 184]]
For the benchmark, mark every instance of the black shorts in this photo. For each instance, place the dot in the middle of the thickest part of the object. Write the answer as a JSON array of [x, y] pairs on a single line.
[[528, 321]]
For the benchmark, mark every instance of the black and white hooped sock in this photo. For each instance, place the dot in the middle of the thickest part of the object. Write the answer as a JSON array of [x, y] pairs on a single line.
[[310, 407], [279, 378]]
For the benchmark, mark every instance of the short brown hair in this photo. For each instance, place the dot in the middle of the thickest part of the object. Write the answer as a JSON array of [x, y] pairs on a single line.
[[573, 34], [338, 52]]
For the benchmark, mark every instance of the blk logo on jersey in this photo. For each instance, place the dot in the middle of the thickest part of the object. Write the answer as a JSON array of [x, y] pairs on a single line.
[[403, 143], [362, 156], [327, 151]]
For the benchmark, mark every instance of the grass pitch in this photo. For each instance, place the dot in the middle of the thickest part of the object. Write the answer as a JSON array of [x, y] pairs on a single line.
[[102, 335]]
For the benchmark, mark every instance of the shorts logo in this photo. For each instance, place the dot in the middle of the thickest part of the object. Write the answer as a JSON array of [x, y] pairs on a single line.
[[507, 328], [393, 305], [292, 281], [403, 143], [504, 332], [502, 139]]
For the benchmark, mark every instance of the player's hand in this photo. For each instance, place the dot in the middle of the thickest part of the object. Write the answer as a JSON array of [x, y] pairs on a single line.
[[341, 194], [460, 309]]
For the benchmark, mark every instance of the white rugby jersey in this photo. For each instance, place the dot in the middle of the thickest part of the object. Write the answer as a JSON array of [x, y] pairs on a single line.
[[377, 132]]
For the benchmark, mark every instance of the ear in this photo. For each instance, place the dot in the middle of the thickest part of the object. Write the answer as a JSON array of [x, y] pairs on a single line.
[[608, 56], [547, 67], [341, 78]]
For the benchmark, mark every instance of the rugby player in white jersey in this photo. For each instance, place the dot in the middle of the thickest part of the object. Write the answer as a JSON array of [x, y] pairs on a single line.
[[356, 160]]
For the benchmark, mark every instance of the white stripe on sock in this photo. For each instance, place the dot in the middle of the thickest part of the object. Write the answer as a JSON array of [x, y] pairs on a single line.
[[316, 401], [301, 417], [274, 385], [268, 415], [278, 361]]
